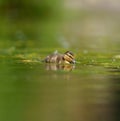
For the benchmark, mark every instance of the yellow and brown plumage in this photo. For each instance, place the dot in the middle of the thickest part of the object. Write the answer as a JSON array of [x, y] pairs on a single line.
[[66, 58]]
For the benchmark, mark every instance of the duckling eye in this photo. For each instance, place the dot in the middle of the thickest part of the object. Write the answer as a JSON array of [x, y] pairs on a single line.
[[73, 62]]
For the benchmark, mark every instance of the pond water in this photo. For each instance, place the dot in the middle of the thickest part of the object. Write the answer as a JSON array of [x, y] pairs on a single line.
[[40, 92]]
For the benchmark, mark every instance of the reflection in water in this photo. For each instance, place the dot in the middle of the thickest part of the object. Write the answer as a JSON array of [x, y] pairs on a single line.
[[55, 67]]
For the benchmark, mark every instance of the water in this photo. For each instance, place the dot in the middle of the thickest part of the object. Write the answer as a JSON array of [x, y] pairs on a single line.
[[40, 92]]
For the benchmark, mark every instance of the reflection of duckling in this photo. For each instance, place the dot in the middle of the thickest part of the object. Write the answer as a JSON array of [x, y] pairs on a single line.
[[55, 67], [66, 58]]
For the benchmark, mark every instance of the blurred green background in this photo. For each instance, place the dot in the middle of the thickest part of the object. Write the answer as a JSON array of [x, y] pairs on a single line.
[[89, 24], [29, 23], [53, 23]]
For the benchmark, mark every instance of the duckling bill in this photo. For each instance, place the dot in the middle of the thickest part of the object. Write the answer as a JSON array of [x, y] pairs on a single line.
[[66, 58]]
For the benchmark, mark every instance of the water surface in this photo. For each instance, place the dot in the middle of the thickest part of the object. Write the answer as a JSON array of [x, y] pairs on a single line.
[[40, 92]]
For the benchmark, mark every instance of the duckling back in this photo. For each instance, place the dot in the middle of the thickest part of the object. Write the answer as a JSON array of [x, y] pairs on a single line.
[[54, 58], [58, 58]]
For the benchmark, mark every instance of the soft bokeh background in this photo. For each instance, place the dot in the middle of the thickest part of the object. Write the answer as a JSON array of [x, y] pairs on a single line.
[[29, 23], [92, 24], [34, 91]]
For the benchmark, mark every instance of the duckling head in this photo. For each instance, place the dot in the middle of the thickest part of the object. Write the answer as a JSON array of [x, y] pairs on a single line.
[[69, 57]]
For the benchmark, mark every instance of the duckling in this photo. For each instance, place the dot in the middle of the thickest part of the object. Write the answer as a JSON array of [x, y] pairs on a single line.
[[66, 58]]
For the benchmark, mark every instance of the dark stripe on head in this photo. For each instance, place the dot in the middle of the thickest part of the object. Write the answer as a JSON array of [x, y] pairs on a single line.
[[70, 54]]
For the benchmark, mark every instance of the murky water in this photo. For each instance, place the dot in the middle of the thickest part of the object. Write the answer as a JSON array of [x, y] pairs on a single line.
[[40, 92]]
